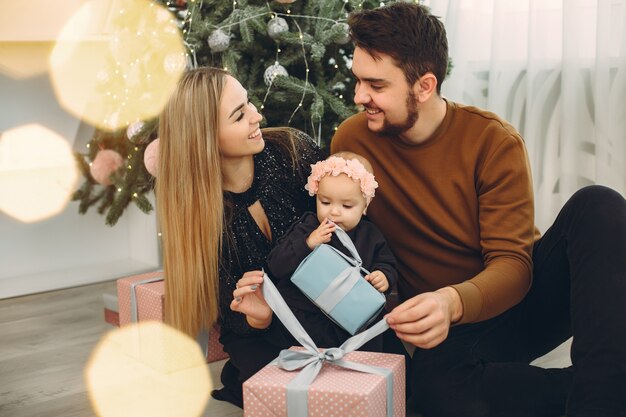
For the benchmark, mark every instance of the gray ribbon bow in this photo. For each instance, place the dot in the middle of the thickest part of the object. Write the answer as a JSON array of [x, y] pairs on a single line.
[[312, 359]]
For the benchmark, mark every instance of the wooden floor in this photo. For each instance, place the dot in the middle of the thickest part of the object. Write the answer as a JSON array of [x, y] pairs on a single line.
[[45, 341]]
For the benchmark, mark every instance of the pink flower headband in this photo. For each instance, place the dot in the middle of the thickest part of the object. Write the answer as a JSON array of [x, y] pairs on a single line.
[[336, 165]]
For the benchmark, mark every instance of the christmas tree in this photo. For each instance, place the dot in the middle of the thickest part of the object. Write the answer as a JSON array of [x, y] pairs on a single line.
[[293, 56]]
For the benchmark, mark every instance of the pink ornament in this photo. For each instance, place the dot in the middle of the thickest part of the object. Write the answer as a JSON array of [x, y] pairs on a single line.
[[151, 157], [105, 163], [285, 1]]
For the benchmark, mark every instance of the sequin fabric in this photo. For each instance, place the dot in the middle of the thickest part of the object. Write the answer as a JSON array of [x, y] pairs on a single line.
[[279, 186]]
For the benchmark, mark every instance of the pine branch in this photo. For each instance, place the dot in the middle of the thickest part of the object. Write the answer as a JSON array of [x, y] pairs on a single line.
[[106, 197], [327, 10], [293, 38], [143, 203], [337, 105], [120, 202], [317, 51]]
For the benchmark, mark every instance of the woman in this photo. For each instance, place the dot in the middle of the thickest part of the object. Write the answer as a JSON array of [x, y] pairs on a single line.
[[226, 191]]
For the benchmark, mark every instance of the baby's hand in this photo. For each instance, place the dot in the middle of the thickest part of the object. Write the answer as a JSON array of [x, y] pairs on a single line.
[[320, 235], [378, 281]]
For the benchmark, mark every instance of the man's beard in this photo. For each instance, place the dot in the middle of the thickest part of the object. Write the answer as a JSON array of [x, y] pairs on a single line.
[[390, 129]]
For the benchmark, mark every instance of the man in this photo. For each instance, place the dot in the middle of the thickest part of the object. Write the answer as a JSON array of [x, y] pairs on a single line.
[[484, 294]]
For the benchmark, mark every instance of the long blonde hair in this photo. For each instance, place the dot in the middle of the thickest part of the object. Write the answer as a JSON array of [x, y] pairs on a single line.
[[189, 200]]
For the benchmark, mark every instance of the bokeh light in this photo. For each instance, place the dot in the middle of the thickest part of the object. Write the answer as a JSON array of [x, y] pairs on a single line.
[[28, 31], [147, 369], [117, 61], [38, 173], [20, 60]]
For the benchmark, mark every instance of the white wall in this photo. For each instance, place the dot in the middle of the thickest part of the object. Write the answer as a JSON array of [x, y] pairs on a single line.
[[69, 249]]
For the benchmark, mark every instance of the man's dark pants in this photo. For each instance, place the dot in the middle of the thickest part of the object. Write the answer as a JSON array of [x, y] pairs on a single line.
[[579, 289]]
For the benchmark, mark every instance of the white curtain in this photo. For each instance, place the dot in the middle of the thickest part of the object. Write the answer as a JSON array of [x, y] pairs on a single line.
[[556, 70]]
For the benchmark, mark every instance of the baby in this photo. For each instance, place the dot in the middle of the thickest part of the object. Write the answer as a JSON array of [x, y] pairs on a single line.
[[344, 185]]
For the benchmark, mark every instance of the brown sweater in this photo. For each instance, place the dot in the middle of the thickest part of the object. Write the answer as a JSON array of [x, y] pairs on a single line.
[[457, 210]]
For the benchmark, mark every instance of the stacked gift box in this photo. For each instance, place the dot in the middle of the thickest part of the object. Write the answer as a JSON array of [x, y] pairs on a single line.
[[142, 297], [111, 314]]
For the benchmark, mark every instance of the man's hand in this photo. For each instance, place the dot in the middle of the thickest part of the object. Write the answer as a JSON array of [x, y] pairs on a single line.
[[378, 280], [321, 235], [425, 319]]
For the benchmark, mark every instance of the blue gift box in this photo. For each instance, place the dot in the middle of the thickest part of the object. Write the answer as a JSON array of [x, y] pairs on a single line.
[[334, 282]]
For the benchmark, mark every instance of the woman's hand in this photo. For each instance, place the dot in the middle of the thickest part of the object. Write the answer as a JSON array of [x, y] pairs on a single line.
[[248, 299], [321, 235]]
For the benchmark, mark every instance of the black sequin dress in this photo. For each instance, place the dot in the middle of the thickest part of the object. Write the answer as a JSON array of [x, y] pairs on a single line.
[[279, 186]]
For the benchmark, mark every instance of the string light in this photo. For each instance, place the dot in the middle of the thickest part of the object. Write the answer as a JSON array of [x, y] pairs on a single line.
[[306, 74]]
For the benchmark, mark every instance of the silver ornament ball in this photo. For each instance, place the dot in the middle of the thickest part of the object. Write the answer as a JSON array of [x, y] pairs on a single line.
[[342, 30], [219, 41], [272, 72], [276, 26]]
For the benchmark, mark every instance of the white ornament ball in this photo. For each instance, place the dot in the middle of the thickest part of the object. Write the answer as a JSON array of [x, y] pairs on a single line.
[[133, 129], [276, 26], [151, 157], [343, 29], [219, 41], [285, 1], [272, 72], [105, 163]]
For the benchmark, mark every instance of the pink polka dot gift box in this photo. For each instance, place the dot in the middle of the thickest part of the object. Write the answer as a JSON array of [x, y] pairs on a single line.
[[141, 298], [335, 392]]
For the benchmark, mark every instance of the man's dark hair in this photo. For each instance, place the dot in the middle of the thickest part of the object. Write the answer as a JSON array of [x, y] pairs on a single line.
[[408, 33]]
